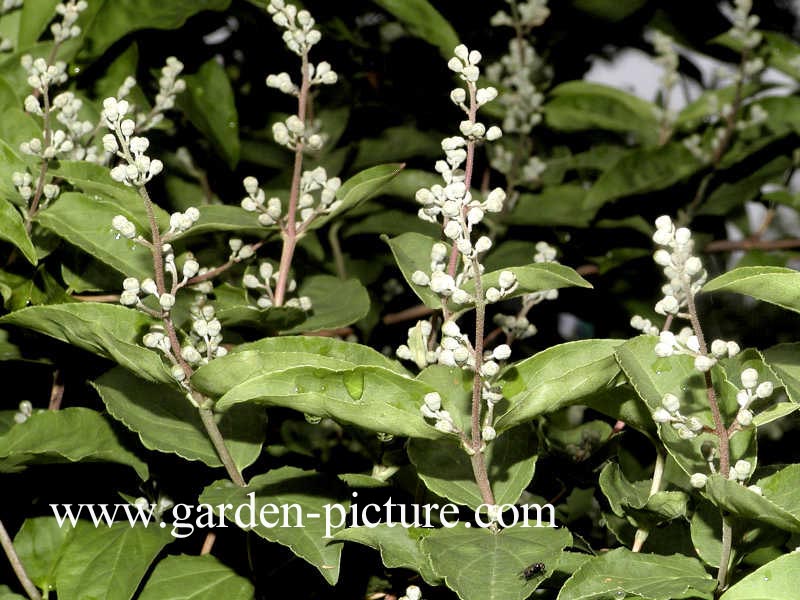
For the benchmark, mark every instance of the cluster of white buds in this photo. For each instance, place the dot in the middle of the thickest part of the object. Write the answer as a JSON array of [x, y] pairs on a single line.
[[157, 339], [515, 326], [667, 59], [684, 271], [506, 284], [744, 24], [124, 226], [69, 12], [669, 412], [417, 347], [527, 14], [133, 290], [255, 201], [644, 325], [456, 349], [687, 343], [23, 182], [412, 593], [239, 250], [294, 132], [694, 144], [138, 168], [169, 85], [432, 409], [206, 335], [756, 116], [753, 390], [300, 34], [545, 253], [24, 411], [266, 275], [180, 222]]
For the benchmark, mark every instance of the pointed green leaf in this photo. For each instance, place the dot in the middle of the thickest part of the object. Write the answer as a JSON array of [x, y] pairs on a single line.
[[313, 493], [360, 188], [63, 436], [12, 229], [779, 579], [367, 396], [399, 547], [40, 544], [412, 252], [423, 21], [334, 303], [208, 103], [479, 564], [555, 378], [620, 572], [581, 105], [776, 285], [166, 421], [641, 171], [105, 329], [195, 578], [278, 354], [107, 562], [559, 205]]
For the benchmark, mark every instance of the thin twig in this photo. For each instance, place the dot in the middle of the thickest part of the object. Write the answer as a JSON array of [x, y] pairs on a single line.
[[751, 244], [208, 543], [16, 564], [56, 391], [658, 472]]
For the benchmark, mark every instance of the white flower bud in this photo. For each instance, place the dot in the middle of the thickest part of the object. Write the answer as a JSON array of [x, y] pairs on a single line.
[[502, 352], [749, 378], [494, 133], [755, 489], [693, 265], [460, 296], [764, 389], [742, 469], [682, 235], [452, 230], [719, 348], [490, 368], [420, 278], [458, 96], [698, 480], [451, 329], [178, 373], [693, 343], [251, 281], [433, 401], [745, 417], [703, 363], [661, 415], [662, 257], [167, 301], [506, 279], [493, 294], [671, 402], [663, 350], [743, 398], [488, 433], [733, 349]]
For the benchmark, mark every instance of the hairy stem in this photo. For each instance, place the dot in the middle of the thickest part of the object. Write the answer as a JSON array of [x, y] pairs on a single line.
[[206, 414], [290, 227], [16, 564]]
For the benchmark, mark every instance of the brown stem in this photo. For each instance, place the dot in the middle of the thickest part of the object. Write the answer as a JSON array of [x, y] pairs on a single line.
[[56, 391], [97, 298], [408, 314], [16, 564], [208, 543], [211, 273], [290, 228], [750, 244]]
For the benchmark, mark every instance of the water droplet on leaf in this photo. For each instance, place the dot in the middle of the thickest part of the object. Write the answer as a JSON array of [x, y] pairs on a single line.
[[354, 384]]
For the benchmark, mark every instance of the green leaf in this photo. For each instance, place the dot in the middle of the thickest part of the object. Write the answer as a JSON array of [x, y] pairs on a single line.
[[784, 361], [391, 222], [359, 188], [334, 303], [277, 354], [397, 143], [560, 205], [85, 222], [423, 21], [12, 229], [609, 10], [208, 103], [776, 285], [107, 562], [641, 171], [34, 20], [446, 468], [7, 594], [195, 578], [412, 251], [218, 217], [307, 537], [653, 377], [399, 547], [777, 580], [769, 508], [730, 196], [367, 396], [105, 329], [634, 500], [479, 564], [117, 18], [554, 378], [166, 421], [64, 436], [40, 544], [620, 572], [581, 105]]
